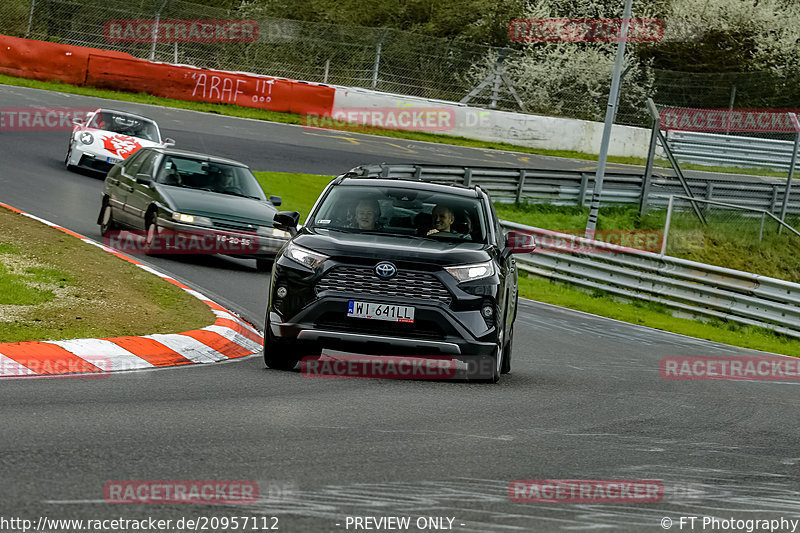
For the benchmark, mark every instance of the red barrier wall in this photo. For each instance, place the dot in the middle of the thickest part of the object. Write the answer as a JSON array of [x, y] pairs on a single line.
[[119, 71], [40, 60]]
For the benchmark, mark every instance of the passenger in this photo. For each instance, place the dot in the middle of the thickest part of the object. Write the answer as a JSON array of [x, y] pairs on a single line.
[[443, 219], [368, 211]]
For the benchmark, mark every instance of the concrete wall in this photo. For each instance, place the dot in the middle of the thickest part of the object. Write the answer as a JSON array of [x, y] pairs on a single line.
[[516, 128]]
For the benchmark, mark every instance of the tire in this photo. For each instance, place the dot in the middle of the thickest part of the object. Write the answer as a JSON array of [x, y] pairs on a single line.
[[107, 223], [278, 355], [493, 376], [152, 243], [66, 159], [264, 265], [505, 367]]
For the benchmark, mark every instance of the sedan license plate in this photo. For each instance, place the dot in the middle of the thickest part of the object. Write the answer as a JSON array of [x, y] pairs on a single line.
[[375, 311], [112, 160]]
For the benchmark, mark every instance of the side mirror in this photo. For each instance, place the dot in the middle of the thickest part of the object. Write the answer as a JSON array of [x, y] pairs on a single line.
[[276, 201], [77, 121], [518, 242], [143, 179], [287, 221], [168, 142]]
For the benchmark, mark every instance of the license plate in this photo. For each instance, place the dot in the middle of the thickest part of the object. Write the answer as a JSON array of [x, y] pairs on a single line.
[[376, 311], [112, 160]]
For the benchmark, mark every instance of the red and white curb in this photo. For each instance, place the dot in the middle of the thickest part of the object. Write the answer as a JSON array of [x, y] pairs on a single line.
[[229, 337]]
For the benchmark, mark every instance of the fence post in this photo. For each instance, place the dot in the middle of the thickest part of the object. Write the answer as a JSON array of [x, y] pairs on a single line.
[[377, 59], [666, 226], [467, 176], [30, 19], [648, 169], [788, 190], [709, 193], [774, 199], [521, 184], [327, 66], [582, 191]]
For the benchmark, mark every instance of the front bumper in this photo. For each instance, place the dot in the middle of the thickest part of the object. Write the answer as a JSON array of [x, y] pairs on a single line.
[[437, 330], [89, 159], [187, 238]]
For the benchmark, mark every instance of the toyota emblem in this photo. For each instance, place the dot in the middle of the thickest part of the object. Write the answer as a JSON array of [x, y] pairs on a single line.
[[385, 270]]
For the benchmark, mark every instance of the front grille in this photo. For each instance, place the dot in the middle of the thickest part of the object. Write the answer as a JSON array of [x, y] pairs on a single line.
[[363, 280], [94, 164], [233, 225]]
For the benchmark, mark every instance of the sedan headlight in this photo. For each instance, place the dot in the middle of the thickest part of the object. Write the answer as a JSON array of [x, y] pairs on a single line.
[[86, 137], [191, 219], [304, 256], [472, 272], [273, 232]]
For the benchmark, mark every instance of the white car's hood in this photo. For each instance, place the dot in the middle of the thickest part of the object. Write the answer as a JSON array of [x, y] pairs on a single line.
[[116, 145]]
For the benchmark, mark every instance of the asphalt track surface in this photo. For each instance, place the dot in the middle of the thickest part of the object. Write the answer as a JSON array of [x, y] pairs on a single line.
[[585, 399]]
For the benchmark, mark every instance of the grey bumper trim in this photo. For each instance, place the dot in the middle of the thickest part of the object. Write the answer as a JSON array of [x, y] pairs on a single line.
[[315, 335]]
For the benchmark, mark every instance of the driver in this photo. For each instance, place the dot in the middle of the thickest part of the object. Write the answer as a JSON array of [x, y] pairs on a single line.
[[367, 213]]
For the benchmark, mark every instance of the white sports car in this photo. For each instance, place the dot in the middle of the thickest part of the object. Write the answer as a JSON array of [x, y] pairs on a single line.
[[107, 137]]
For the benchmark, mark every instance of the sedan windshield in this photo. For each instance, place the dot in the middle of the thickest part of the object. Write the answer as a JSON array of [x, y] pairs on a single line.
[[209, 176], [402, 212], [126, 125]]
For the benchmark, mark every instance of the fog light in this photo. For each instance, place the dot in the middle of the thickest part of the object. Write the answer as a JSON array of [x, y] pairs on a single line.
[[487, 311], [281, 292]]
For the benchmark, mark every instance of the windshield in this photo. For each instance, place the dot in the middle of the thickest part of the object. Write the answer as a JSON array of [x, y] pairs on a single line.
[[126, 125], [402, 212], [208, 176]]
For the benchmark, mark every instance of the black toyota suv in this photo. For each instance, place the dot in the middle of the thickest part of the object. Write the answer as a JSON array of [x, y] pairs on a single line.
[[387, 266]]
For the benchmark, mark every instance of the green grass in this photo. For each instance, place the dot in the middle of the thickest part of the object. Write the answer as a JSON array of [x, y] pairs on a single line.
[[655, 316], [16, 289], [291, 118], [298, 192], [54, 287]]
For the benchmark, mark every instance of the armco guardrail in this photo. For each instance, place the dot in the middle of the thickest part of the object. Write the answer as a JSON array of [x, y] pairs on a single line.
[[730, 150], [566, 187], [696, 288]]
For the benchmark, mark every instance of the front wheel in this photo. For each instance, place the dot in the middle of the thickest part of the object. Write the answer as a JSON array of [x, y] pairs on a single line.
[[278, 355], [505, 367], [107, 223], [66, 159], [152, 242]]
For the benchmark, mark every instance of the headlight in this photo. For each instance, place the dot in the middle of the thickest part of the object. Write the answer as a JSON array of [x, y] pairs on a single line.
[[472, 272], [273, 232], [303, 256], [191, 219], [86, 138]]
